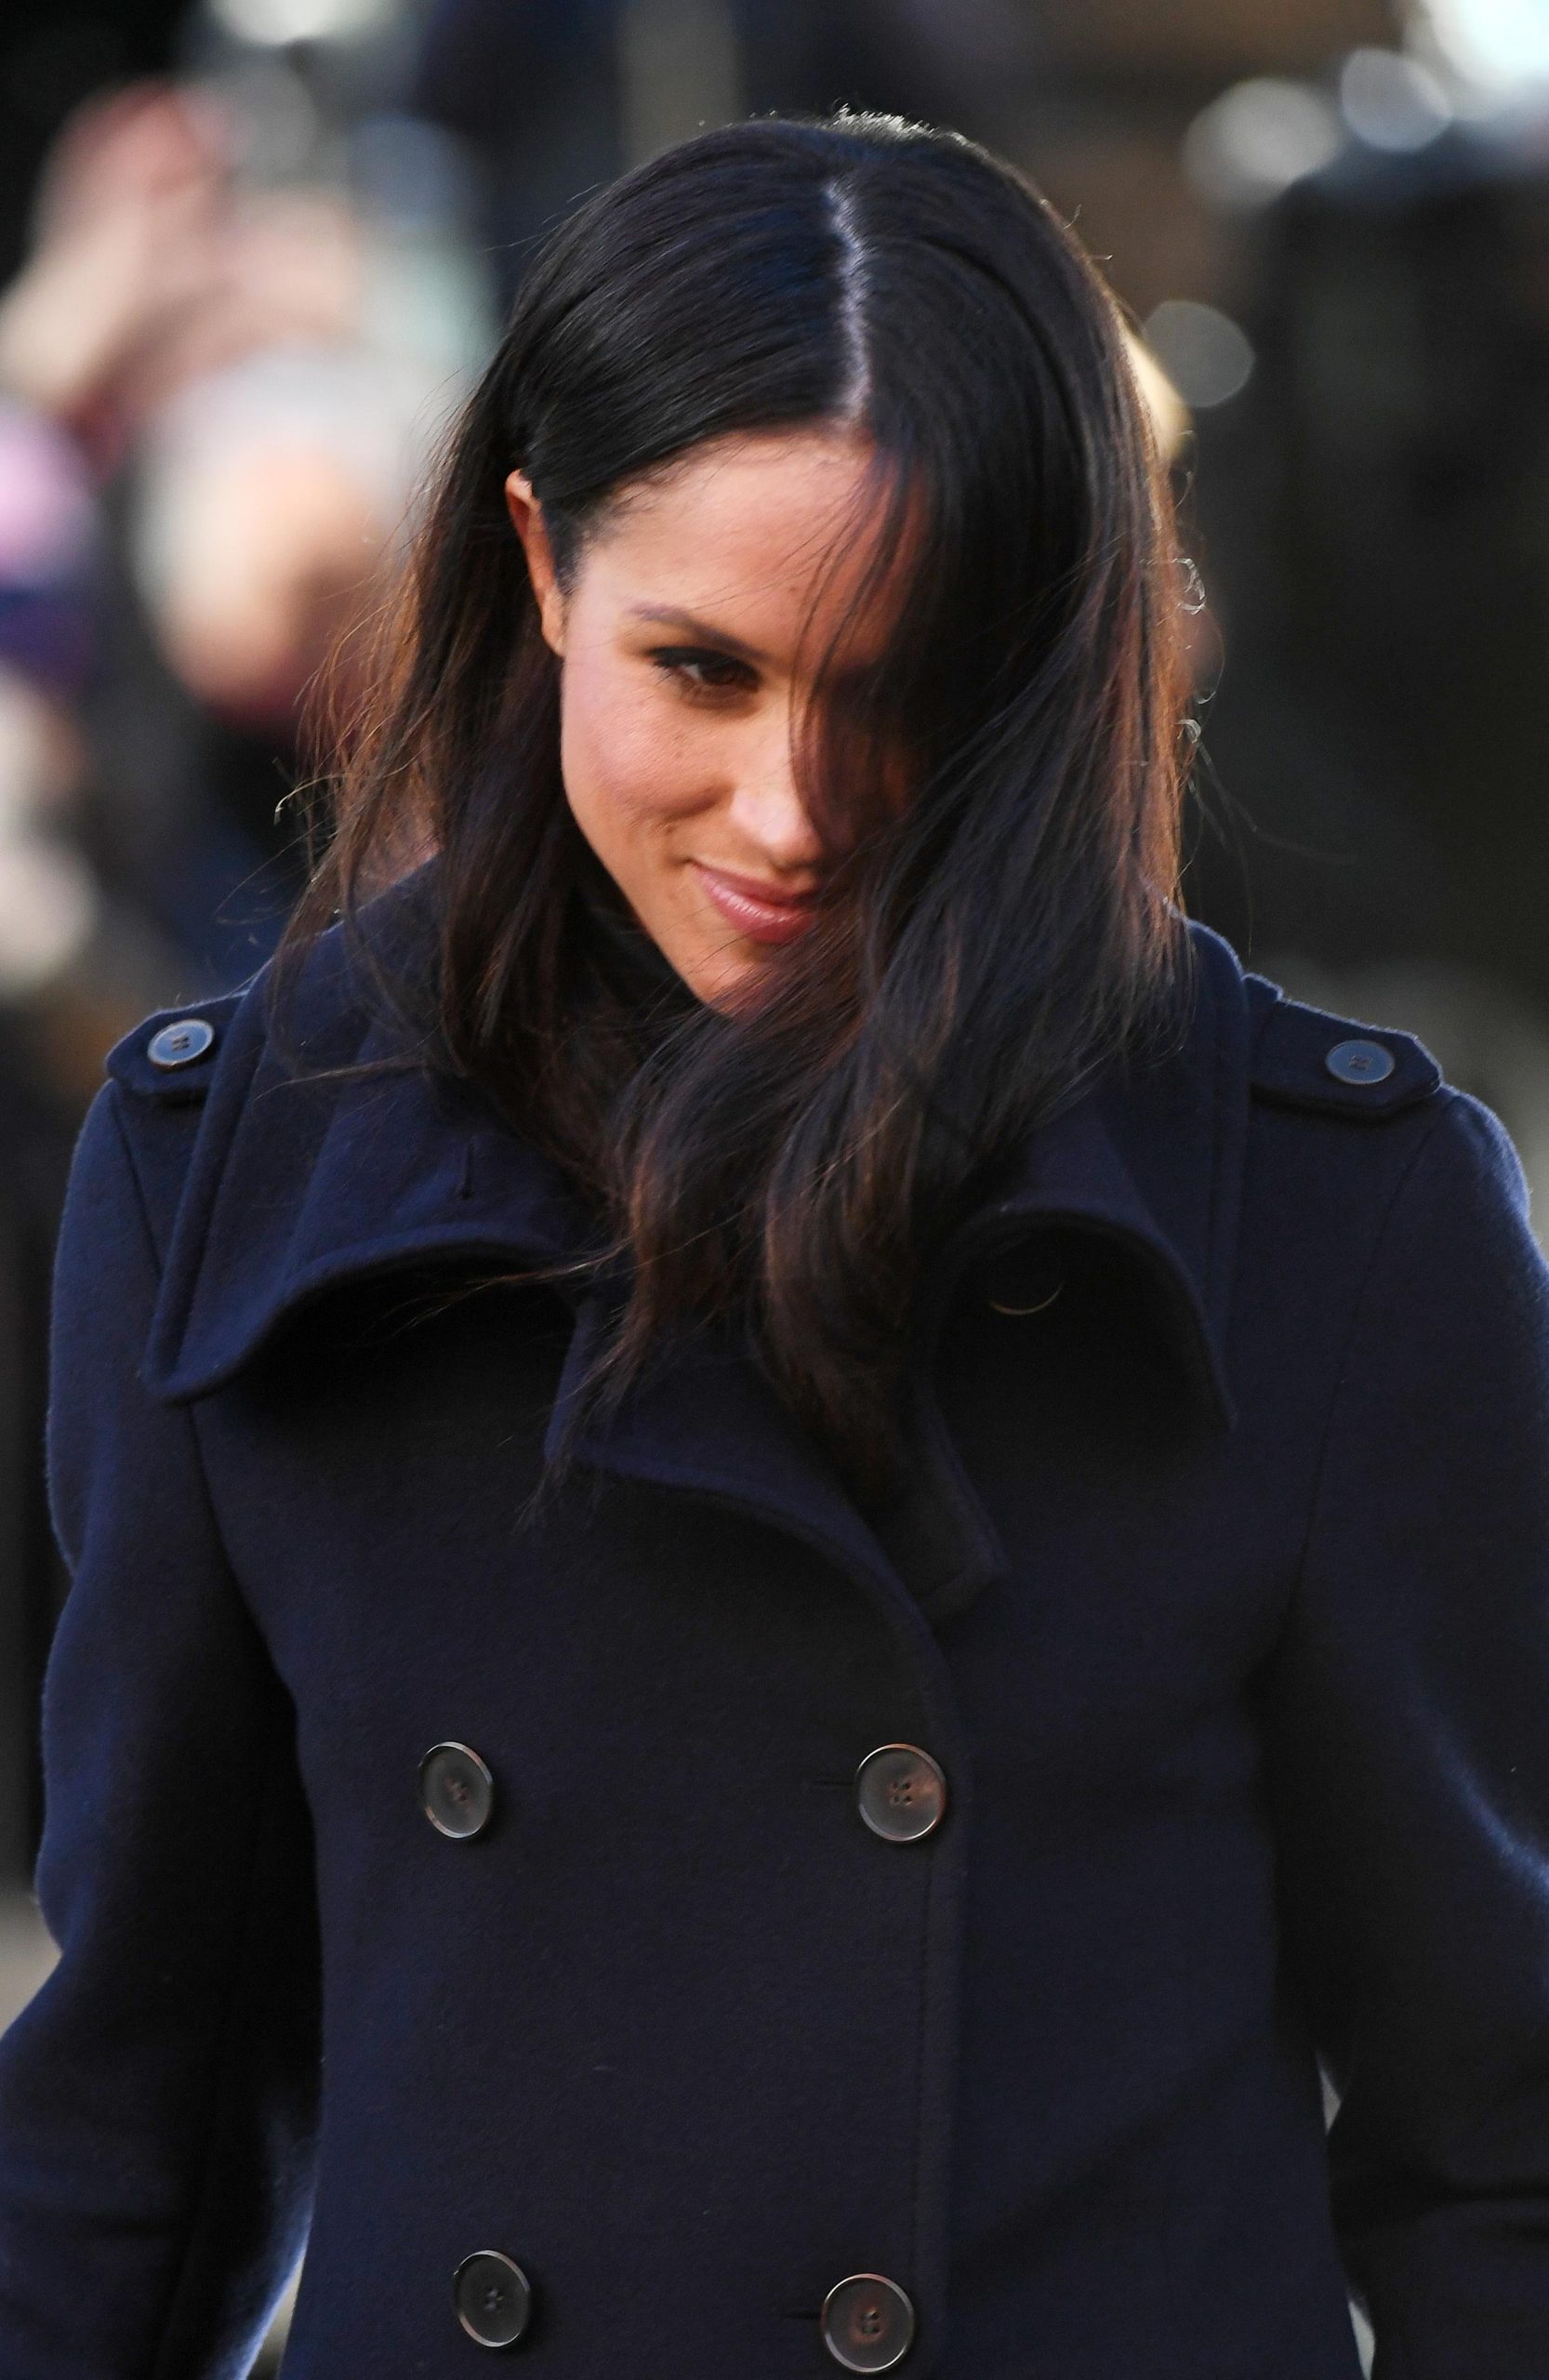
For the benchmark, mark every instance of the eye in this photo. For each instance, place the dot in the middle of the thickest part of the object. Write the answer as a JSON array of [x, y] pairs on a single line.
[[701, 669]]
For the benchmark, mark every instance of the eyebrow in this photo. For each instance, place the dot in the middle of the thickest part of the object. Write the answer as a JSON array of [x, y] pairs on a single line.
[[667, 616]]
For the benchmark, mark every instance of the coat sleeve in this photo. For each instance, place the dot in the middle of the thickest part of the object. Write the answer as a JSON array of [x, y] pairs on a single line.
[[1409, 1767], [158, 2097]]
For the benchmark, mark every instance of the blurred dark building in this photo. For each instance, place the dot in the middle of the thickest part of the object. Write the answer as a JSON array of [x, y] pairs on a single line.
[[557, 96], [1374, 515]]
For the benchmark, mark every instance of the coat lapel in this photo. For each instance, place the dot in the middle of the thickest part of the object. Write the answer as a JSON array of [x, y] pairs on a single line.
[[707, 1421], [296, 1184], [300, 1183], [1151, 1165]]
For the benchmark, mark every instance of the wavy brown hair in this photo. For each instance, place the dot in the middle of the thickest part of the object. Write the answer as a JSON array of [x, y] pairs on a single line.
[[984, 948]]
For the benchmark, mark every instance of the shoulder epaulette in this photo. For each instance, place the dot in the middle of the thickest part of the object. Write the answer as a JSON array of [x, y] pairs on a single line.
[[171, 1056], [1306, 1057]]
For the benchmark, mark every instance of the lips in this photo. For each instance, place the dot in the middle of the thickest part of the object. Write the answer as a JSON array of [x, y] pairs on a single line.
[[759, 911]]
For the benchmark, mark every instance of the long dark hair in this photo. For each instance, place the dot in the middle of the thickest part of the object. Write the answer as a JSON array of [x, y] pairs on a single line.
[[984, 950]]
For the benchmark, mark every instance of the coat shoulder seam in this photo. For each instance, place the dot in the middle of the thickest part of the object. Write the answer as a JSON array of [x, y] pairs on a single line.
[[1342, 1368]]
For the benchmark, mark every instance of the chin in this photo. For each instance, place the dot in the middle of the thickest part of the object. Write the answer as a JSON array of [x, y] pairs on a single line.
[[726, 987]]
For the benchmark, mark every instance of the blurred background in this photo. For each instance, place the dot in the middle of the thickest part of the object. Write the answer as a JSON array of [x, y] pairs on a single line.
[[252, 251]]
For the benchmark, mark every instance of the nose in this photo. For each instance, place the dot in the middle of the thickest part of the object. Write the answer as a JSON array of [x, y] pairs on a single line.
[[769, 812]]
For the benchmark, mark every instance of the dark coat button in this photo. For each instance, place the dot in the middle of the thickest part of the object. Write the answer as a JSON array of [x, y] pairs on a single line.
[[457, 1791], [901, 1792], [492, 2297], [867, 2322], [1360, 1062], [179, 1044]]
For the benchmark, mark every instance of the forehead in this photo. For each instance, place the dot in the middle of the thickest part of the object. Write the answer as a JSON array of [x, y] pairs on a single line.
[[754, 534]]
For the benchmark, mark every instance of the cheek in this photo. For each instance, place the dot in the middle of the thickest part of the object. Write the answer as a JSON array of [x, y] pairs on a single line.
[[632, 763]]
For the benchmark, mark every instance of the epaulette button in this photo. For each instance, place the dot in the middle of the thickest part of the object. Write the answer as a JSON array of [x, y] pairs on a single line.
[[1360, 1062], [179, 1044]]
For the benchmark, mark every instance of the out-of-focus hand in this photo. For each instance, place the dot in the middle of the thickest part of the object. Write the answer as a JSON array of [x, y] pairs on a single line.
[[291, 270], [150, 270], [130, 247]]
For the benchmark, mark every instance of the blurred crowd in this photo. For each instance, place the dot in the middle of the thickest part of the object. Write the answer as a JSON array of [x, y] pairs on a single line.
[[262, 247], [210, 421]]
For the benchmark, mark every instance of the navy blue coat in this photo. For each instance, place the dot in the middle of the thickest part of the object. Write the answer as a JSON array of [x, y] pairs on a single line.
[[1219, 1601]]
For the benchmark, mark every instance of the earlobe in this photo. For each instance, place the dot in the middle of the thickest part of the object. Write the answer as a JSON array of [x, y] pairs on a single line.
[[526, 518]]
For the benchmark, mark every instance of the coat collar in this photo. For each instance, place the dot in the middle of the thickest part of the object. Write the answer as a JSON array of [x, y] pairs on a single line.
[[296, 1185]]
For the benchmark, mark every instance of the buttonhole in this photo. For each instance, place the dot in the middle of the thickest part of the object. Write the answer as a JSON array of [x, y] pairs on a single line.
[[997, 1307]]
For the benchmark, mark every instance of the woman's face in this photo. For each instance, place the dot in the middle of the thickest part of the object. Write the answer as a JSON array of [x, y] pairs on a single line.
[[685, 668]]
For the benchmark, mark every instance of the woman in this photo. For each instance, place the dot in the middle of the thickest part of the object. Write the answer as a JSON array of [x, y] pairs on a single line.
[[799, 1547]]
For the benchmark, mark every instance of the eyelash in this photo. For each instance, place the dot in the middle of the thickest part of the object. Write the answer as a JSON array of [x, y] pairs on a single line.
[[678, 661]]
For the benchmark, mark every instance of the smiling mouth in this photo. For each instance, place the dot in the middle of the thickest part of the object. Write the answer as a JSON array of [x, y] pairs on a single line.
[[759, 912]]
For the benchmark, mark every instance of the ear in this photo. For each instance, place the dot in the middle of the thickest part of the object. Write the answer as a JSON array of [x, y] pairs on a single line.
[[527, 521]]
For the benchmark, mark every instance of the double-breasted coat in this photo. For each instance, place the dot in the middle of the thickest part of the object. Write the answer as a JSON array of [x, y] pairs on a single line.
[[692, 1931]]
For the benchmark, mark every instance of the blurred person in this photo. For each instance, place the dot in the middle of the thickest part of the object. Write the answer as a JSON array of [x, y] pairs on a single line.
[[72, 963], [56, 995], [265, 501], [131, 288], [77, 966], [220, 374], [264, 495], [1372, 512], [800, 1548]]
